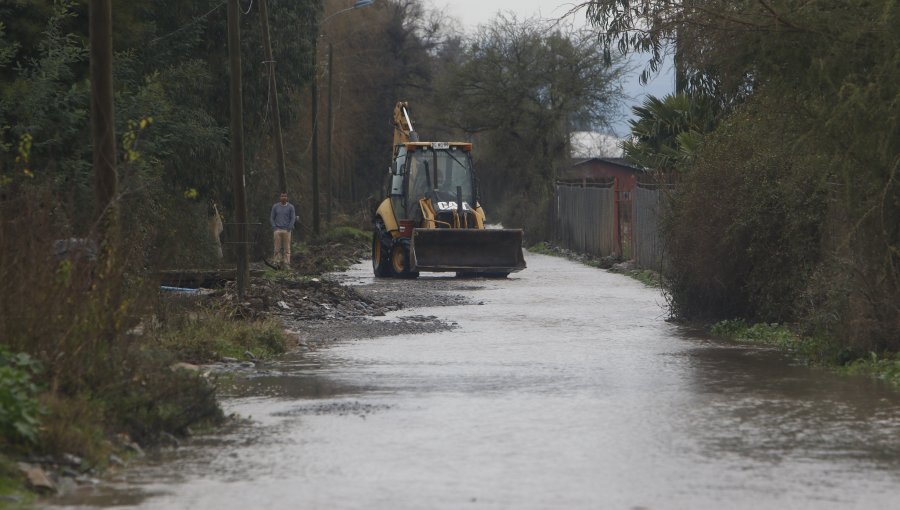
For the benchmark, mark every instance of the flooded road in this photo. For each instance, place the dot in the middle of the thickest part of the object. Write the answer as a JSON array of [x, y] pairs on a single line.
[[560, 387]]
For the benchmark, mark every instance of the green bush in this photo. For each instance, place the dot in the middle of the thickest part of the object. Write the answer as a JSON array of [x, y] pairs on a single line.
[[19, 408], [745, 230], [886, 367], [541, 248]]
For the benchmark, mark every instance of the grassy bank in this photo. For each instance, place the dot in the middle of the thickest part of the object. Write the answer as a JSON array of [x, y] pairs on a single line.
[[815, 351], [204, 333], [105, 373], [148, 394]]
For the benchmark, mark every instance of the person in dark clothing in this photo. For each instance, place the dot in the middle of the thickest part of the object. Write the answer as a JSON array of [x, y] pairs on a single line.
[[282, 219]]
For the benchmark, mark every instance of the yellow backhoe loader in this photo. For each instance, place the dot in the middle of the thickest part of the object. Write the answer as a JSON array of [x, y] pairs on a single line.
[[433, 219]]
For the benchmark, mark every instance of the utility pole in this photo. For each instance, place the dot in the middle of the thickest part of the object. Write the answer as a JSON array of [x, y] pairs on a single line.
[[236, 112], [273, 93], [315, 139], [328, 137], [315, 114], [103, 132]]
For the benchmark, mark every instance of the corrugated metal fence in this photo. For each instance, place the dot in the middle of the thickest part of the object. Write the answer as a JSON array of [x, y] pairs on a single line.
[[600, 220], [587, 218], [648, 202]]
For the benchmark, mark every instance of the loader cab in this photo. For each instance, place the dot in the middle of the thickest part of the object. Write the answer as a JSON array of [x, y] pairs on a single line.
[[398, 176], [438, 171]]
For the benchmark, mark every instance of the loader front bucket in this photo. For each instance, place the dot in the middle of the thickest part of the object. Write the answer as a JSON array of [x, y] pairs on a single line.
[[467, 250]]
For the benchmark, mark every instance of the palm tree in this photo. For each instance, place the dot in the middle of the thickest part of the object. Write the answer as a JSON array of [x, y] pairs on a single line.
[[668, 131]]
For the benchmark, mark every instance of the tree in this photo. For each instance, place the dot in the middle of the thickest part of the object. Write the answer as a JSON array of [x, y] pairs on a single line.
[[667, 132], [392, 55], [829, 70], [516, 90]]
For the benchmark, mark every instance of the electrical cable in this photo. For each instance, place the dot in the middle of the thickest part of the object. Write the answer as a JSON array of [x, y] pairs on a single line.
[[193, 21]]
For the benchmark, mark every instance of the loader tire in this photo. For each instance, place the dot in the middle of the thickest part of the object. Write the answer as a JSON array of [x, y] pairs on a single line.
[[381, 262], [400, 262]]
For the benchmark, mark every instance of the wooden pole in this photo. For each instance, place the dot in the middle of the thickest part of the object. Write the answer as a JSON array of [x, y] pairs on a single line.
[[315, 140], [273, 94], [237, 144], [328, 137], [617, 214], [103, 132]]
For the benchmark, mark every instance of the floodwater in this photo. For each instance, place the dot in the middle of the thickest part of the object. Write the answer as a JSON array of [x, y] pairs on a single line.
[[564, 388]]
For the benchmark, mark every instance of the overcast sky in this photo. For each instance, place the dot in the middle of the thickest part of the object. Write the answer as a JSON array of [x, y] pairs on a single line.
[[471, 13]]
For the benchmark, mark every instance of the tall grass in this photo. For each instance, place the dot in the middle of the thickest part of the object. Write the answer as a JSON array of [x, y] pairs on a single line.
[[74, 314]]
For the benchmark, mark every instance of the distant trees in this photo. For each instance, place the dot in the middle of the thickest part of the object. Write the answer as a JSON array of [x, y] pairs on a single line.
[[517, 88], [391, 55]]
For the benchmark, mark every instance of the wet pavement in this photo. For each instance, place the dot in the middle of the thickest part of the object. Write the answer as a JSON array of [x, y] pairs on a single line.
[[560, 387]]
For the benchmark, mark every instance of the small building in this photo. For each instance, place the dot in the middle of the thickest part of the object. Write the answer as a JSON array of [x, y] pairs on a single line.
[[603, 169]]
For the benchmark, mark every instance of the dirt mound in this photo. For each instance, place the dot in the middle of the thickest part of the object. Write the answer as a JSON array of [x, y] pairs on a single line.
[[311, 303], [302, 298]]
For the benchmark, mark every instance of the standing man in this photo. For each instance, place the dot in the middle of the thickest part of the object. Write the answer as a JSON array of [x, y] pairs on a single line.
[[282, 220]]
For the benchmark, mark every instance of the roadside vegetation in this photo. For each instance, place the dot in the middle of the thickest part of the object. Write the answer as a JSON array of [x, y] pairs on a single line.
[[88, 364], [783, 142], [648, 277], [548, 248], [95, 362], [205, 334], [819, 351]]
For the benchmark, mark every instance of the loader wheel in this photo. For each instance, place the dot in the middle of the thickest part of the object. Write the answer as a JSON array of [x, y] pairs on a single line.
[[381, 264], [400, 262]]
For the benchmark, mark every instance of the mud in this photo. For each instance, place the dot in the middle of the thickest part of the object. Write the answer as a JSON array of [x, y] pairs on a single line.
[[317, 307], [354, 314]]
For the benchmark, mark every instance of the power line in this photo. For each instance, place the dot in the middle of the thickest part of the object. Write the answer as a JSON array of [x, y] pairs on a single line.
[[192, 22]]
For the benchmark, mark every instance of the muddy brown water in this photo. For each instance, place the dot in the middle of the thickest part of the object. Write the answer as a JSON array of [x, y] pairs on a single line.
[[560, 387]]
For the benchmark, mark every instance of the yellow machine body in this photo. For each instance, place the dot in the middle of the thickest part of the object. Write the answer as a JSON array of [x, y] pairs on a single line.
[[432, 219]]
